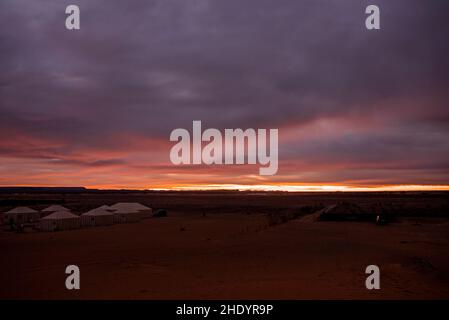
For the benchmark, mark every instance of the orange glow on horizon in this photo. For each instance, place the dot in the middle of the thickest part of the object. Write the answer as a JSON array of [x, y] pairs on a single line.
[[281, 187]]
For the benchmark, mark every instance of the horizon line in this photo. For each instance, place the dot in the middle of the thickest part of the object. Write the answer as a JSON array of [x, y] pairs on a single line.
[[256, 188]]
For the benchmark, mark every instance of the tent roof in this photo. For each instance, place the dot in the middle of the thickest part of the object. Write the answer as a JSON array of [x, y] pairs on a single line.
[[98, 212], [63, 214], [129, 206], [105, 207], [124, 211], [21, 210], [54, 208]]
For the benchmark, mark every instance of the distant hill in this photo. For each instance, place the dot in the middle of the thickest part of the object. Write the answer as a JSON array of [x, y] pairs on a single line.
[[43, 190]]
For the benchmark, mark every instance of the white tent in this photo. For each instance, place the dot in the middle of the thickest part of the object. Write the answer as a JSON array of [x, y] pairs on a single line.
[[124, 216], [105, 207], [21, 215], [54, 208], [143, 211], [21, 210], [60, 220], [129, 206], [97, 217]]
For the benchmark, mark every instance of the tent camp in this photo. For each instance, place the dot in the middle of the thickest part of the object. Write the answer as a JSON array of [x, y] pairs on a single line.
[[60, 220], [143, 211], [97, 217], [124, 216], [21, 215], [54, 208]]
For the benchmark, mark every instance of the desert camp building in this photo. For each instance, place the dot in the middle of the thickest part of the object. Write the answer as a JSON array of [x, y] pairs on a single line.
[[105, 207], [21, 215], [54, 208], [141, 210], [60, 220], [125, 216], [97, 217]]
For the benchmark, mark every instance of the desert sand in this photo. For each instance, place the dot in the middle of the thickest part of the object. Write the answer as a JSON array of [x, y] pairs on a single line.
[[230, 255]]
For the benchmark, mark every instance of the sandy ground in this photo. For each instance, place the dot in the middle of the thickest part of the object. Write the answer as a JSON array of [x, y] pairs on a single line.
[[230, 256]]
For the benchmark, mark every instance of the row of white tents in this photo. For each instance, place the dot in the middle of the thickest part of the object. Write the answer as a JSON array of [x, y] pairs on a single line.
[[57, 217]]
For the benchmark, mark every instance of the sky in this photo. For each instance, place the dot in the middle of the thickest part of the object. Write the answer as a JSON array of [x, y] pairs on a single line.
[[95, 107]]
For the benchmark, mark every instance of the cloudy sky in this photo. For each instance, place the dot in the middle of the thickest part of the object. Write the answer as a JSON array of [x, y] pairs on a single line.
[[95, 107]]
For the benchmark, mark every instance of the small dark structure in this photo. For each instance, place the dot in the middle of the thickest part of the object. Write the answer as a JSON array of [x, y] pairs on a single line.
[[160, 213], [381, 219]]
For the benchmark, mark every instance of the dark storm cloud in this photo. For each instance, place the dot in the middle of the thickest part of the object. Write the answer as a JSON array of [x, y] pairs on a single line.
[[147, 67]]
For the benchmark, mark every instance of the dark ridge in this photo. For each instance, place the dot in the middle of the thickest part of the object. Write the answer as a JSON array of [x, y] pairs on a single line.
[[29, 202], [42, 189]]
